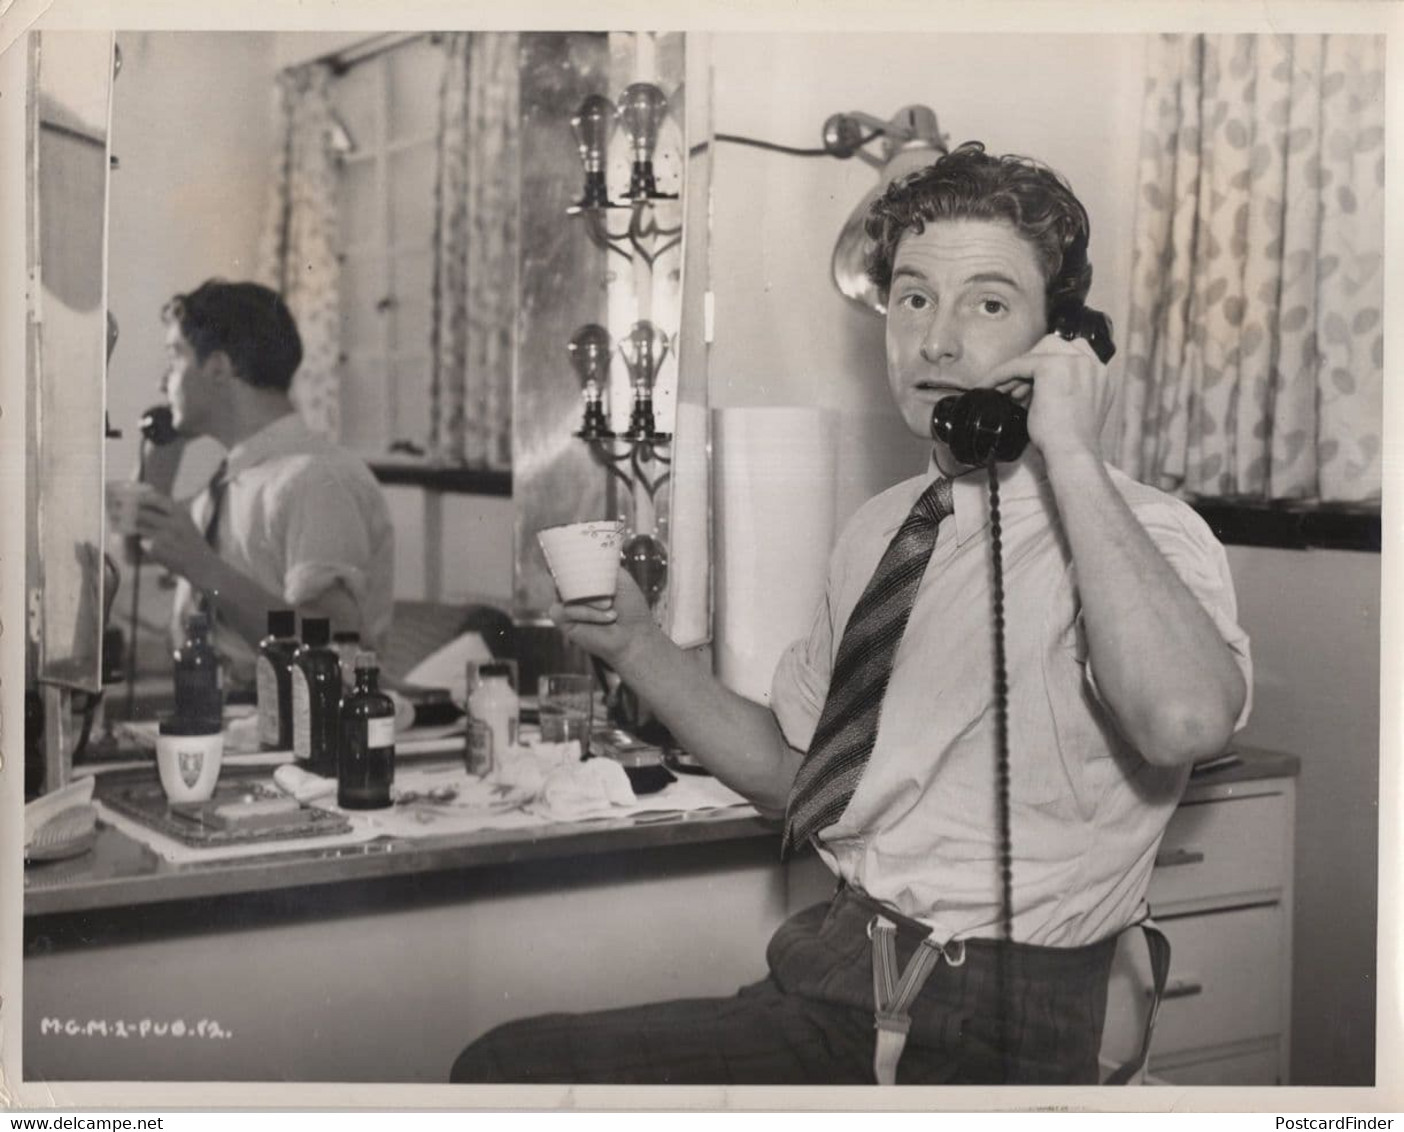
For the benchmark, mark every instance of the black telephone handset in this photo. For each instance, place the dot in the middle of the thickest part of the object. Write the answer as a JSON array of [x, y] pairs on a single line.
[[157, 427], [984, 423]]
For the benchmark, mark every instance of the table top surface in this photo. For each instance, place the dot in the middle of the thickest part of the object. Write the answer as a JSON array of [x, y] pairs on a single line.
[[120, 871]]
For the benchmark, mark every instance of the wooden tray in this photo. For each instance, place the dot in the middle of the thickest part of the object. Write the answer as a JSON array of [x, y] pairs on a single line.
[[195, 825]]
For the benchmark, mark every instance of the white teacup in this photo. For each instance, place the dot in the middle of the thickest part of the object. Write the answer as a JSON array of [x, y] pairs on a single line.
[[124, 501], [189, 753], [583, 557]]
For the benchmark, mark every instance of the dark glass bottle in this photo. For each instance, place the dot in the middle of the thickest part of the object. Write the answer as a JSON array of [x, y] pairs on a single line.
[[274, 676], [366, 756], [199, 687], [316, 699]]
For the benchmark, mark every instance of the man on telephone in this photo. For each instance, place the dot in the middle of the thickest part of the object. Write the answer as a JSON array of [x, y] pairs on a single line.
[[1124, 664], [289, 519]]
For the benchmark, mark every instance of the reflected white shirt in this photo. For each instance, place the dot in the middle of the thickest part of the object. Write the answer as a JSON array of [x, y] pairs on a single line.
[[1087, 811], [299, 514]]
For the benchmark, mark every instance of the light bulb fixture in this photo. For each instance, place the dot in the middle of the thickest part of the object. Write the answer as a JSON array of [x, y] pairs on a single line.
[[641, 110], [590, 349], [643, 350], [593, 125], [911, 140]]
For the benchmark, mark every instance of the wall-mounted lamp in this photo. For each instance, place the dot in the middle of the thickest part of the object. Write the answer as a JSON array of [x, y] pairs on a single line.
[[907, 141], [911, 140]]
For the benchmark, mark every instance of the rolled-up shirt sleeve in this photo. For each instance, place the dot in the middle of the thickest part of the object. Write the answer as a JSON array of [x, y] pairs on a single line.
[[326, 539], [801, 682], [1198, 558]]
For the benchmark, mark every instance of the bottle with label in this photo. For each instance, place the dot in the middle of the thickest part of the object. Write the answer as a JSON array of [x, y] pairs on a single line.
[[274, 681], [316, 699], [347, 646], [366, 755], [493, 710], [199, 684]]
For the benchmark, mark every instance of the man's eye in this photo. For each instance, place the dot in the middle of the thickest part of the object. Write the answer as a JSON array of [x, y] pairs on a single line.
[[993, 306], [914, 301]]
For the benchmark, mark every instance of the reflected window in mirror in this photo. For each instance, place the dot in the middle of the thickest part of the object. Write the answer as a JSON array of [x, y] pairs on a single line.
[[385, 129]]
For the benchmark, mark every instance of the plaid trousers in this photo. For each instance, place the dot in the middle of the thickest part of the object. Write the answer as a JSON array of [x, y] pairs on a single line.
[[810, 1021]]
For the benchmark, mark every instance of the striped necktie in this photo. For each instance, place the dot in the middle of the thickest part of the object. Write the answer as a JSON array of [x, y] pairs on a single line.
[[217, 487], [848, 725]]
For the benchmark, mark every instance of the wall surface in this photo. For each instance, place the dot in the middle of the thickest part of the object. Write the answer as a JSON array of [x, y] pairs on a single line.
[[192, 127], [1314, 620]]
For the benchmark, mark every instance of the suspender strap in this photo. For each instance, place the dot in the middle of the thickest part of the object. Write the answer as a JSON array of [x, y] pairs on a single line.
[[893, 994], [1160, 972]]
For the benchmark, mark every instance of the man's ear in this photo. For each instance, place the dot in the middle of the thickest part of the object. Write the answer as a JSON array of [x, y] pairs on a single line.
[[219, 366]]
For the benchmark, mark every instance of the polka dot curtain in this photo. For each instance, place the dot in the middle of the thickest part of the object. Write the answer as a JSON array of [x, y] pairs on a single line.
[[297, 253], [475, 254], [1254, 355]]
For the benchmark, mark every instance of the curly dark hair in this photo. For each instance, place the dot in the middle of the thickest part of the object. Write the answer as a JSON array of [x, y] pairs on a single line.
[[247, 321], [970, 184]]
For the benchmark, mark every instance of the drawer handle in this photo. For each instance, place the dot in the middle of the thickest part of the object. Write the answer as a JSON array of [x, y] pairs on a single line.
[[1180, 988], [1173, 857]]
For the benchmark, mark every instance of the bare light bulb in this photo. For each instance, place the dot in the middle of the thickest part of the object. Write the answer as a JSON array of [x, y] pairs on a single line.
[[592, 125], [641, 110], [589, 350], [643, 350]]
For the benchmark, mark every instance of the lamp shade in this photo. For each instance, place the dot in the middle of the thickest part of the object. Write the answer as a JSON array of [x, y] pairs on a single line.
[[850, 260]]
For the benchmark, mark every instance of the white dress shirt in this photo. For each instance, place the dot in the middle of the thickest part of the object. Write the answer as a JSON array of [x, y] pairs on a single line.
[[299, 514], [1087, 811]]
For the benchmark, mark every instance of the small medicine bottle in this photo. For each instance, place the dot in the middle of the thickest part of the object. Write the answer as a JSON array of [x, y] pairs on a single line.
[[493, 710], [316, 699], [273, 674], [366, 754], [199, 684]]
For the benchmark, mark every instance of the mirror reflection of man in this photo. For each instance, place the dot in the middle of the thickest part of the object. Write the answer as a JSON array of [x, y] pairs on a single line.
[[290, 520]]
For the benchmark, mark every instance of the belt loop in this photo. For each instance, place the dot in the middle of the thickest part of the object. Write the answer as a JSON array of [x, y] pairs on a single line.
[[893, 995]]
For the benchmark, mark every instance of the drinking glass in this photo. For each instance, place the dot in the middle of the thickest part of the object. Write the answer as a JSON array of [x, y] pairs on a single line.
[[565, 703]]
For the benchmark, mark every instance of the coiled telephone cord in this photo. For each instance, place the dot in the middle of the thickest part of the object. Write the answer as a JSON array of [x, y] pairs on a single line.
[[1006, 849]]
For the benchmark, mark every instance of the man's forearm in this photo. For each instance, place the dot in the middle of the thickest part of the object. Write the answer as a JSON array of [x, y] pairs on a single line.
[[1160, 663], [736, 739], [240, 602]]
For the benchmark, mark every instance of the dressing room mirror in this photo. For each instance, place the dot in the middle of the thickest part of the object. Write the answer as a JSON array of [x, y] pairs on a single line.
[[70, 86], [459, 390]]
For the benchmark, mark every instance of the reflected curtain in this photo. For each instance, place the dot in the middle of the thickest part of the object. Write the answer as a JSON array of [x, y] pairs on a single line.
[[1255, 350], [475, 253], [298, 252]]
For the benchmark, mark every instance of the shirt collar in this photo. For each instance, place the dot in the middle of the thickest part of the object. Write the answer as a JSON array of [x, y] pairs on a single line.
[[970, 493], [287, 435]]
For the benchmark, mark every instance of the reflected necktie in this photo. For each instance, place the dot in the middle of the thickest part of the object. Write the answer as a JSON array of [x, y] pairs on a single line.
[[848, 725], [217, 487]]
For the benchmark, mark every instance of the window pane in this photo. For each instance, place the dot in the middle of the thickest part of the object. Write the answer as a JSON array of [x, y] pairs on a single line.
[[411, 173], [413, 282], [354, 96], [360, 221], [415, 73], [363, 425], [409, 395], [362, 288]]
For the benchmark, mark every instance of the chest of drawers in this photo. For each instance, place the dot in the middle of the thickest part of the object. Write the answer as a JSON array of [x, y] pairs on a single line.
[[1222, 894]]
